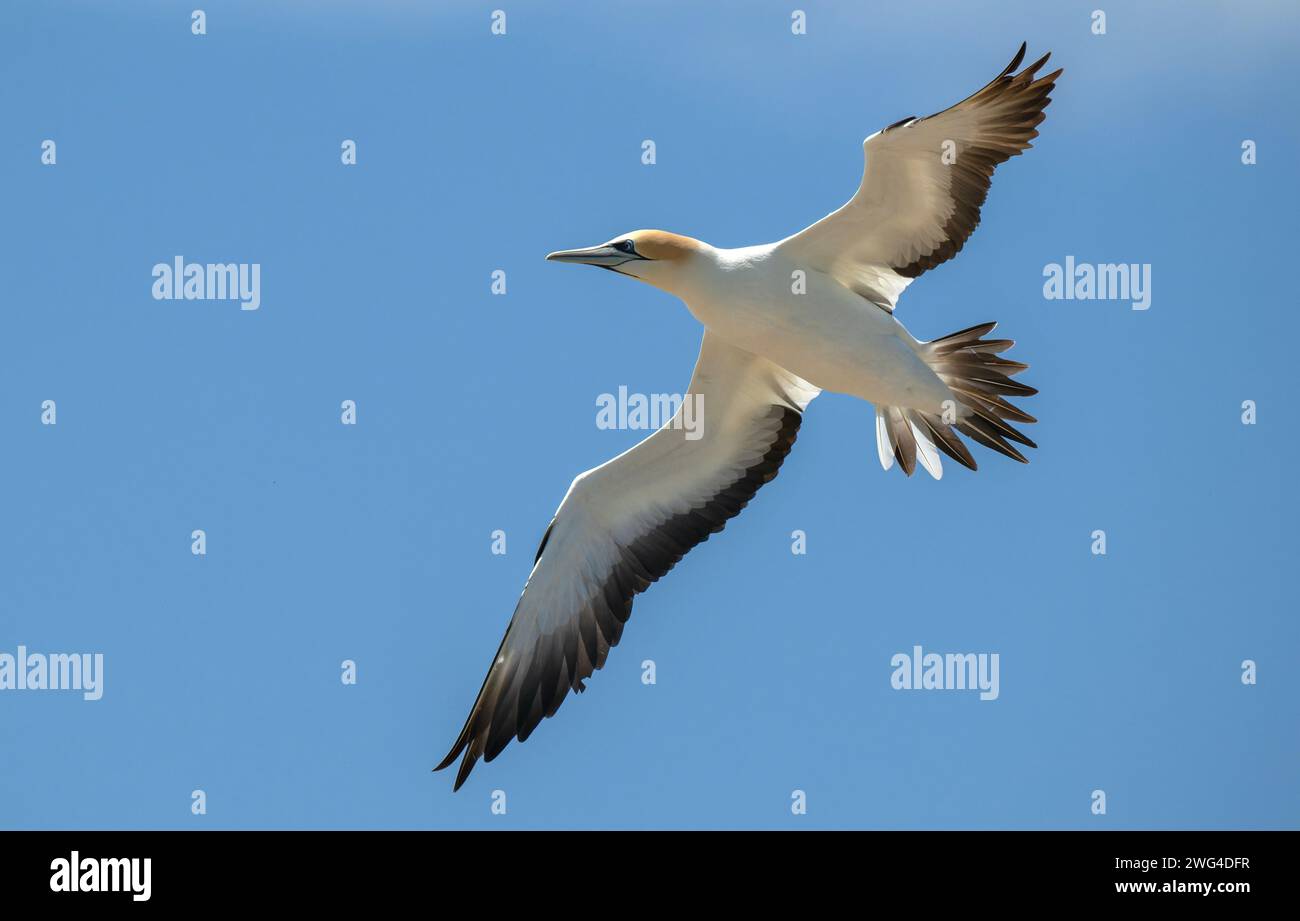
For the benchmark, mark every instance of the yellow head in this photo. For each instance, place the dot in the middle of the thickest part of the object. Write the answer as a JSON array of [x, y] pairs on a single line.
[[654, 256]]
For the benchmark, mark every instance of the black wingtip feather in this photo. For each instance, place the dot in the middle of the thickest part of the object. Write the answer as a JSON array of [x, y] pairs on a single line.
[[1015, 62], [1014, 104], [510, 705]]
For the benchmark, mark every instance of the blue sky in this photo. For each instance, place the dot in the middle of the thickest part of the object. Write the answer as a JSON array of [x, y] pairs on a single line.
[[372, 542]]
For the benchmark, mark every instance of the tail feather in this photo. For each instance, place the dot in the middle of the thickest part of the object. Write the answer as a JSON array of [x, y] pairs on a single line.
[[925, 449], [902, 440], [980, 381], [884, 445], [963, 337], [1000, 406], [945, 439], [981, 431], [985, 412], [992, 346]]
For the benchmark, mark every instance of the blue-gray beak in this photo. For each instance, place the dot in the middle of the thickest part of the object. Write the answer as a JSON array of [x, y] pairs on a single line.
[[605, 255]]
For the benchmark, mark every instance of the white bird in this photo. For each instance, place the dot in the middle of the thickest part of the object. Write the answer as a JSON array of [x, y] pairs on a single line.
[[768, 350]]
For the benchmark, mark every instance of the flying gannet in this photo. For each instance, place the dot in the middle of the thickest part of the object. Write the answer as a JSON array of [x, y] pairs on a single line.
[[767, 352]]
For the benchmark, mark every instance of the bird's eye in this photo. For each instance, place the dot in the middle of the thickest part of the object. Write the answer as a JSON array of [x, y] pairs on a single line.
[[625, 246]]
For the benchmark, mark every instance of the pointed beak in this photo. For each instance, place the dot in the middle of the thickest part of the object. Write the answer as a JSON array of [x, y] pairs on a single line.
[[603, 255]]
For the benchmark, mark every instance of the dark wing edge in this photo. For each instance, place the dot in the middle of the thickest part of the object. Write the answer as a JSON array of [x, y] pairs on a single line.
[[1026, 99], [511, 703]]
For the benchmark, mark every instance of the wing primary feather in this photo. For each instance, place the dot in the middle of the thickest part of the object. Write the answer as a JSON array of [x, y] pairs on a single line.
[[546, 653]]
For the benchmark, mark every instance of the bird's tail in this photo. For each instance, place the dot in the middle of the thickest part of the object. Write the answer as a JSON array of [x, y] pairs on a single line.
[[980, 380]]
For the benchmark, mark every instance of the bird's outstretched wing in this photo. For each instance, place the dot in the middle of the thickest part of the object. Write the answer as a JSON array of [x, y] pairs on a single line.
[[924, 182], [623, 525]]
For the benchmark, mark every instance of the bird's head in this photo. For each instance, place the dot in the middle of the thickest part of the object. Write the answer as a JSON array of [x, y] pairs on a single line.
[[657, 257]]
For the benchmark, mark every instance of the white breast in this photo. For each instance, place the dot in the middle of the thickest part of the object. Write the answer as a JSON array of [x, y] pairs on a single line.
[[807, 322]]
